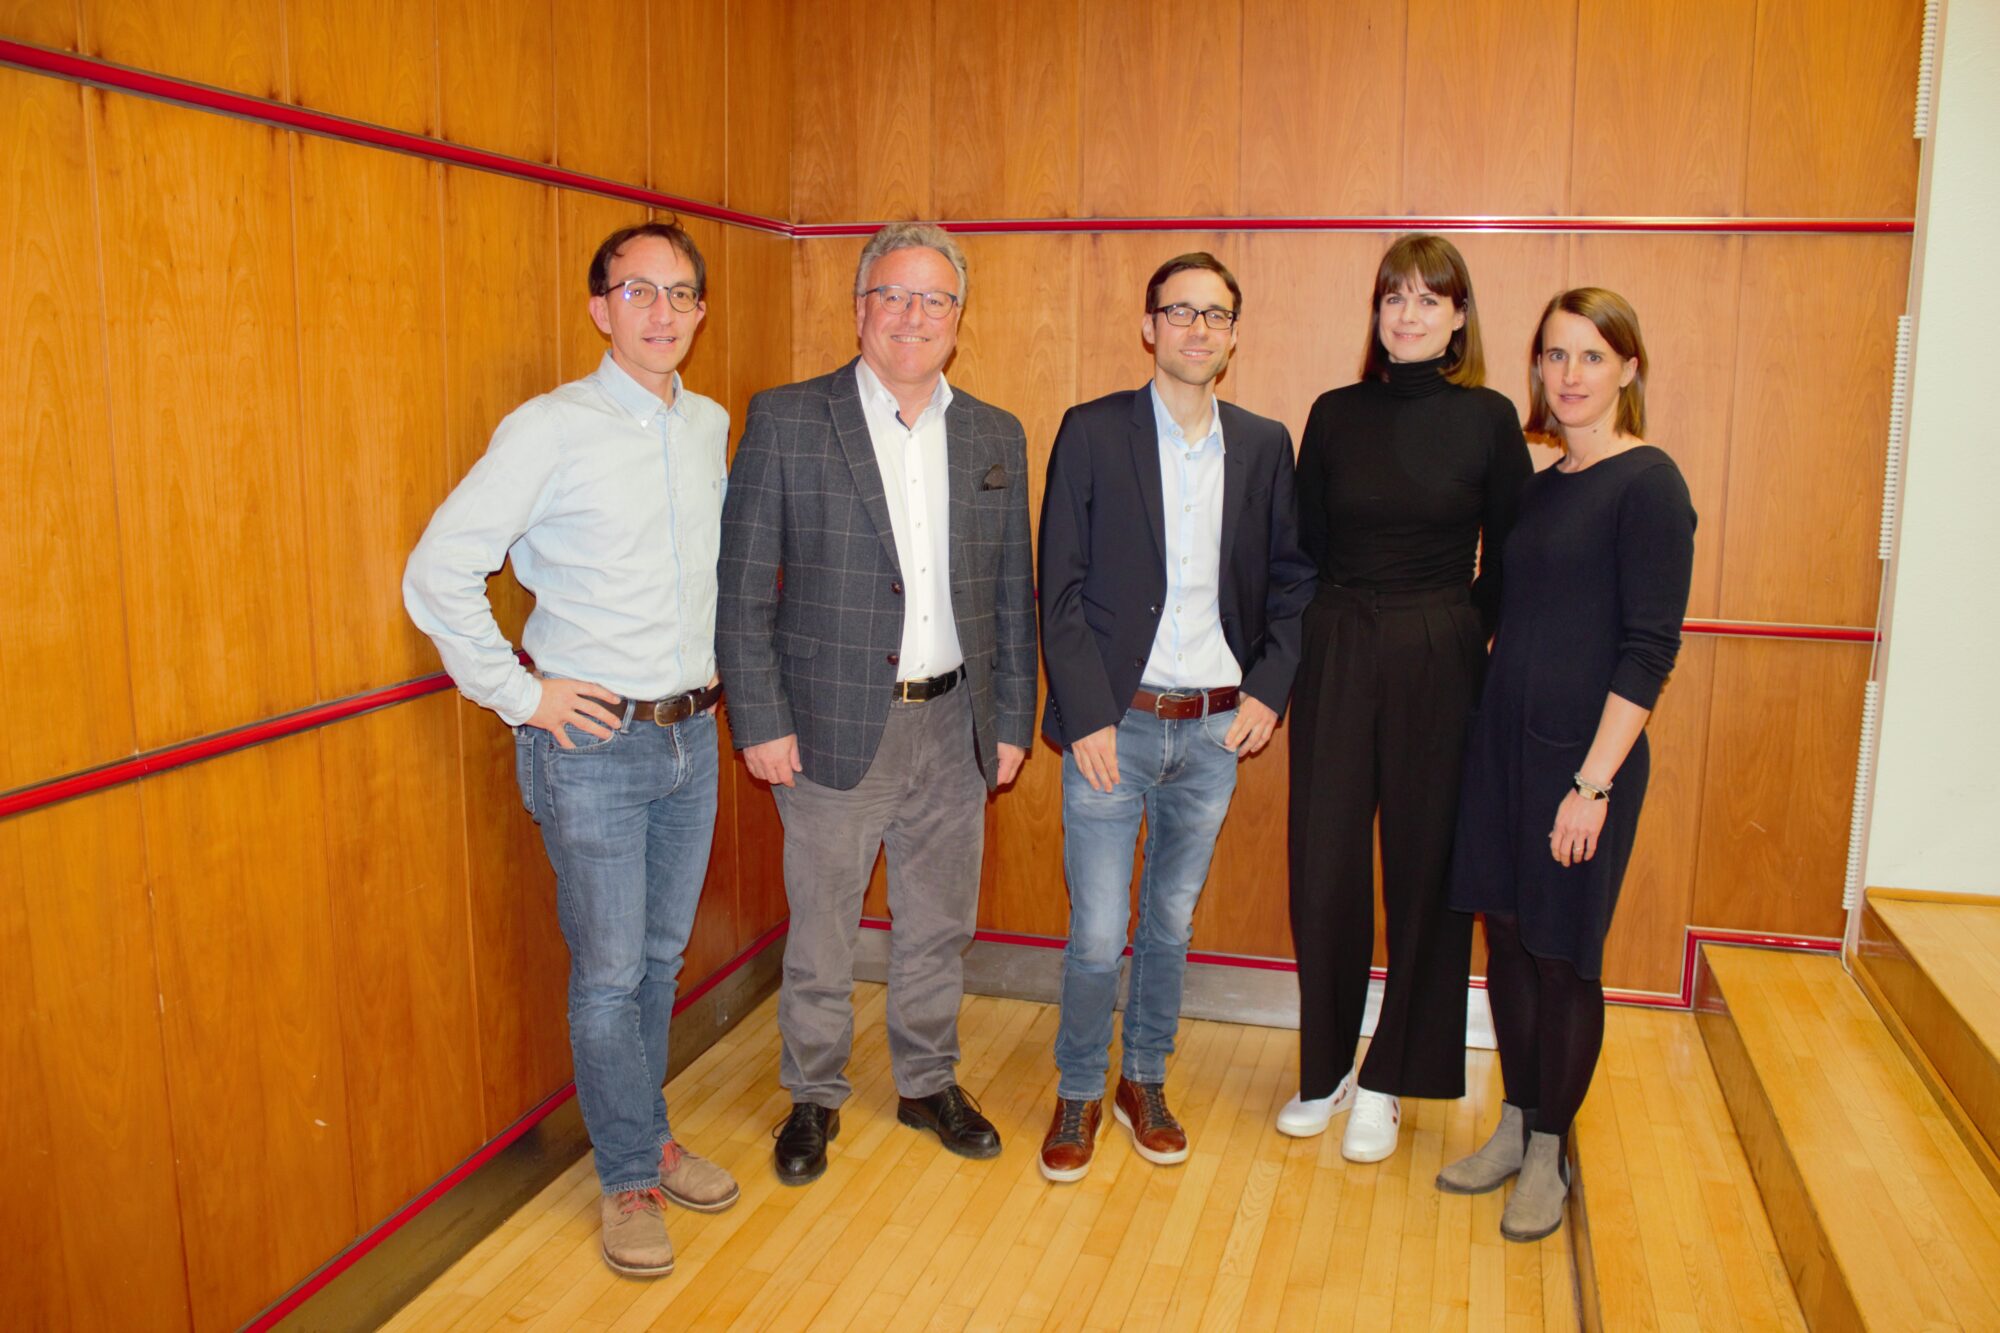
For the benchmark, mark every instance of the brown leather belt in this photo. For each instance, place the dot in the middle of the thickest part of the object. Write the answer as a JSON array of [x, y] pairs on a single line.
[[679, 708], [926, 689], [1180, 705]]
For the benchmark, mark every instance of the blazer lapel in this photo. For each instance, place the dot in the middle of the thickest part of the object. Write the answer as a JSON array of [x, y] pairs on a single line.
[[850, 423], [965, 468], [1235, 480], [1146, 462]]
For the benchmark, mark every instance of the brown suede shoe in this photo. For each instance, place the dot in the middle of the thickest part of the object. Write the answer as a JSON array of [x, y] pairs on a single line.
[[694, 1182], [1071, 1140], [1156, 1135], [635, 1233]]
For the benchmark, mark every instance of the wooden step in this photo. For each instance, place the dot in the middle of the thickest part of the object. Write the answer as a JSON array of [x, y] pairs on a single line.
[[1883, 1216], [1931, 964]]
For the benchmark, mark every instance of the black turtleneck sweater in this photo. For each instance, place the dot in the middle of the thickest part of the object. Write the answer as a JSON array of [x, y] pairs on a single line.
[[1400, 479]]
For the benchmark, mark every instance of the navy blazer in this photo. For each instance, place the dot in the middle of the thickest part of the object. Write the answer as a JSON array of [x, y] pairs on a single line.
[[1104, 563]]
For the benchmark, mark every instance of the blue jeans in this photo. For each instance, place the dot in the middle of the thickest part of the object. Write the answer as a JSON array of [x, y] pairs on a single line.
[[627, 823], [1180, 777]]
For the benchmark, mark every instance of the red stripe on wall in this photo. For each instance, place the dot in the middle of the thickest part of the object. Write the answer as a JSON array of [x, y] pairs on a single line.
[[1459, 223]]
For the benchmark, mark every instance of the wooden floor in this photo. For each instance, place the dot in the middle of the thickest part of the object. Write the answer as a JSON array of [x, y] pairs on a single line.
[[1887, 1219], [1254, 1231]]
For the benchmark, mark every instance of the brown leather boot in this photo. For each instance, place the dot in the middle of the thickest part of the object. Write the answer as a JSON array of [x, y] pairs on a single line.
[[1156, 1135], [1071, 1140], [635, 1234]]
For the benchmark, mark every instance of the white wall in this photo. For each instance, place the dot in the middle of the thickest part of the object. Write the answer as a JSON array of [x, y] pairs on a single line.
[[1935, 821]]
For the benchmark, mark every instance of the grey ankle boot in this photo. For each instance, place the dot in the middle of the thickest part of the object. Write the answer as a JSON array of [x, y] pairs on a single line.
[[1535, 1208], [1496, 1163]]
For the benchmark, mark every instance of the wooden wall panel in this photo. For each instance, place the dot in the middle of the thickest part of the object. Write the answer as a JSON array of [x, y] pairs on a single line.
[[1830, 109], [582, 223], [1323, 108], [1662, 96], [1644, 951], [861, 137], [1678, 284], [520, 964], [59, 556], [822, 324], [1783, 732], [758, 292], [687, 44], [1162, 114], [1305, 319], [1245, 907], [372, 60], [499, 254], [603, 85], [236, 848], [759, 49], [403, 944], [40, 22], [496, 75], [371, 361], [1817, 326], [236, 44], [84, 1094], [204, 383], [1487, 96], [1007, 125]]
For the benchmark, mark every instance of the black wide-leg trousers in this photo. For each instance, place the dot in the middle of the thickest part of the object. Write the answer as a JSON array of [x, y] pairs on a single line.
[[1385, 687]]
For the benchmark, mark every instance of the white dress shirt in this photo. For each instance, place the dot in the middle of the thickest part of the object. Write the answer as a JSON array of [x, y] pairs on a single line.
[[610, 503], [915, 483], [1189, 652]]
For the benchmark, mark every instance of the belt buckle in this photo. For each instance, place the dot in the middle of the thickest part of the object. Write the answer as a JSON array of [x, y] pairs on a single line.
[[1166, 698]]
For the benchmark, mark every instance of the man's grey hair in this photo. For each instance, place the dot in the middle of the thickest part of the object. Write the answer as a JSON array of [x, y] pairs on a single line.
[[910, 236]]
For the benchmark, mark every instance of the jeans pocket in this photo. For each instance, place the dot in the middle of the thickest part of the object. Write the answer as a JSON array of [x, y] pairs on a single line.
[[524, 769], [1216, 727]]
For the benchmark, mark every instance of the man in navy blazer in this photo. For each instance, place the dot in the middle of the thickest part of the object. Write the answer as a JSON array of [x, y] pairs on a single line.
[[1172, 583]]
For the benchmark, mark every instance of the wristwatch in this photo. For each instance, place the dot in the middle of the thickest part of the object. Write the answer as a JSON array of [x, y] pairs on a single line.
[[1591, 791]]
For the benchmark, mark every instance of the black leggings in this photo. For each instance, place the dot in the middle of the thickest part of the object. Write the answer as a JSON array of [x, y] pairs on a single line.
[[1549, 1023]]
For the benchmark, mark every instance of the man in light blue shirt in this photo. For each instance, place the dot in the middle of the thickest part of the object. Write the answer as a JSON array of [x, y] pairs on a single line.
[[1172, 585], [607, 494]]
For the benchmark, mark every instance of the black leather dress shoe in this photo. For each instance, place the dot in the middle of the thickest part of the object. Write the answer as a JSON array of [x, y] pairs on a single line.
[[954, 1118], [802, 1140]]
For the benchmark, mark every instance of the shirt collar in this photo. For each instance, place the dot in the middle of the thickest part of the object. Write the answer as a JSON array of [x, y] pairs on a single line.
[[875, 392], [630, 397], [1170, 429]]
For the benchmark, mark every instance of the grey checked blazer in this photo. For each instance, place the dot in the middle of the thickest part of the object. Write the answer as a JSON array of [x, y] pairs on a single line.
[[810, 614]]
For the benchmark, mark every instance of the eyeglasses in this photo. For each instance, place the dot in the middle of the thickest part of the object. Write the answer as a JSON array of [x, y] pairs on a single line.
[[1183, 316], [896, 300], [639, 292]]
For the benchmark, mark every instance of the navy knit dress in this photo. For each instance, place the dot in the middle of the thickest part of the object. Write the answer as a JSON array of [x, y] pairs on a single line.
[[1598, 565]]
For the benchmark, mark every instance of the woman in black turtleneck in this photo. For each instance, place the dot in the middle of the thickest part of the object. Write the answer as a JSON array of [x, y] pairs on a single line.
[[1403, 479]]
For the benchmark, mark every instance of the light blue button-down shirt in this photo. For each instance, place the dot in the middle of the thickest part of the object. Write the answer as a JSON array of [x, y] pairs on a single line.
[[1189, 651], [610, 504]]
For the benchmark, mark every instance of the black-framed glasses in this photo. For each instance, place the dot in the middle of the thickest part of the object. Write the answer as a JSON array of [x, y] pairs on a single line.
[[895, 300], [640, 293], [1183, 316]]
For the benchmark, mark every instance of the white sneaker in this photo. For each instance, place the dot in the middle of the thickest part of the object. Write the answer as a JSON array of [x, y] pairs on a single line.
[[1371, 1130], [1302, 1119]]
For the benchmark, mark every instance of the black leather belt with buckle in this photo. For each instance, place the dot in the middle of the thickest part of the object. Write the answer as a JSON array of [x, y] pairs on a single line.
[[930, 687], [1180, 705], [679, 708]]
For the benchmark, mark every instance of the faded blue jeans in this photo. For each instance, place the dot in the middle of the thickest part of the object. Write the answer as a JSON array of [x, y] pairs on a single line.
[[1180, 777], [627, 823]]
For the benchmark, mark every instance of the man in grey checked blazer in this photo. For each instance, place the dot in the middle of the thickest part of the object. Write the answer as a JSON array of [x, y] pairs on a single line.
[[876, 633]]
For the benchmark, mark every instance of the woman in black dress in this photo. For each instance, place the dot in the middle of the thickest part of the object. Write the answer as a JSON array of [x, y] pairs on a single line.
[[1400, 478], [1556, 764]]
